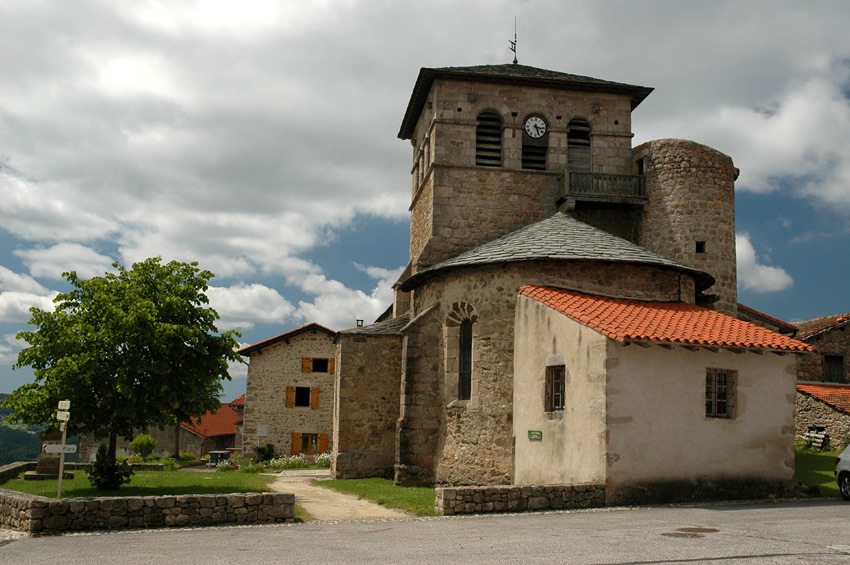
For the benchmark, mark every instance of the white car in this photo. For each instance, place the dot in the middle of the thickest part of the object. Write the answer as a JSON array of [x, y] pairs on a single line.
[[842, 473]]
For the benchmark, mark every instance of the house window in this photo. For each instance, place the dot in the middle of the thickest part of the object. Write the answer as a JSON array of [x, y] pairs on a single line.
[[535, 147], [464, 384], [719, 393], [488, 140], [578, 146], [555, 383], [833, 369], [700, 247], [302, 397], [309, 443], [317, 365]]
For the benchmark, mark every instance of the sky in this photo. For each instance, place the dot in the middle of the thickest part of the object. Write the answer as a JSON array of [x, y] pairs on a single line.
[[259, 138]]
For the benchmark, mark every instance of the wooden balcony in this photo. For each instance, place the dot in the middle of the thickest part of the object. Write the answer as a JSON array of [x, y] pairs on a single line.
[[597, 187]]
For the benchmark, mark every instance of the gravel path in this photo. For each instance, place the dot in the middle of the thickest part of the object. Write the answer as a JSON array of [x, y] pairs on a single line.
[[327, 504]]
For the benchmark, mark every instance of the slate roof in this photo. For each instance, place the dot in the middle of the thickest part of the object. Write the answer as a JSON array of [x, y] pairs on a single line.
[[786, 327], [389, 327], [247, 350], [836, 395], [560, 237], [811, 328], [660, 322], [510, 74], [220, 423]]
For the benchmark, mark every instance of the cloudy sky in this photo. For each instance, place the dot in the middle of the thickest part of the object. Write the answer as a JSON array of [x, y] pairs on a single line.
[[259, 138]]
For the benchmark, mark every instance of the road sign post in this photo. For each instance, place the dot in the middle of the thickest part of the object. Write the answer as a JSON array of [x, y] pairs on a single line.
[[63, 415]]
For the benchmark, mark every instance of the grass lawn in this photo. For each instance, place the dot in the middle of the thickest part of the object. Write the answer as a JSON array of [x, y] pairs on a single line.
[[817, 469], [415, 500], [149, 483]]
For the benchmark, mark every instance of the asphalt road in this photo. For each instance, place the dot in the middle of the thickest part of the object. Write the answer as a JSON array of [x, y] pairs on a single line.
[[808, 532]]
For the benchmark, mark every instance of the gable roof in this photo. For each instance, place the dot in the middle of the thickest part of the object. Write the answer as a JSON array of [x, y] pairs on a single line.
[[392, 326], [756, 315], [836, 395], [811, 328], [520, 75], [285, 336], [560, 237], [219, 423], [628, 321]]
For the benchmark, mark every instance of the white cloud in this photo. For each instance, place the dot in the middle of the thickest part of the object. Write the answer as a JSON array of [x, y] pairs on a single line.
[[9, 280], [51, 262], [754, 276], [14, 306], [242, 306], [9, 348]]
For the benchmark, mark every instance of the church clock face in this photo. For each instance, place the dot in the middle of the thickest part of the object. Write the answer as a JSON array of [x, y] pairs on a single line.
[[535, 127]]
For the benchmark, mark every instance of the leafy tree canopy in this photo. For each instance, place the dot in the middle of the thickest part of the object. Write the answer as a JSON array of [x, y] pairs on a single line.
[[131, 350]]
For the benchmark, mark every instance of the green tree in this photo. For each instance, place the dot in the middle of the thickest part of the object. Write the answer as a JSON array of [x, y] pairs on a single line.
[[131, 350], [143, 446]]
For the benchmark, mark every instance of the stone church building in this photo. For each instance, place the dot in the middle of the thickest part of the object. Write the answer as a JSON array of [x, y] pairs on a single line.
[[569, 310]]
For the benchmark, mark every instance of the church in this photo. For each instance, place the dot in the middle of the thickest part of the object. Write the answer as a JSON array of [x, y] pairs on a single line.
[[569, 310]]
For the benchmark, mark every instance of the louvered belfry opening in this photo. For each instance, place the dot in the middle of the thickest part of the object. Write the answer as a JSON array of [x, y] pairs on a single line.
[[488, 140], [578, 145]]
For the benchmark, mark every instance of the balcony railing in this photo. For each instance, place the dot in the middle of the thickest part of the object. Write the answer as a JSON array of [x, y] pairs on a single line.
[[604, 187]]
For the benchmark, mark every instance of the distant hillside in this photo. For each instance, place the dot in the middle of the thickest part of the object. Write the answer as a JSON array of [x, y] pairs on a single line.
[[17, 443]]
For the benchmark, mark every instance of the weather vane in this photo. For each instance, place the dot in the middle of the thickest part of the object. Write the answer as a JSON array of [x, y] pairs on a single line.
[[513, 43]]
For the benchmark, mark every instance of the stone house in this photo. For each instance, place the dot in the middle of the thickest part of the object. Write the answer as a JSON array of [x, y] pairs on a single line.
[[214, 431], [525, 178], [290, 391], [823, 389]]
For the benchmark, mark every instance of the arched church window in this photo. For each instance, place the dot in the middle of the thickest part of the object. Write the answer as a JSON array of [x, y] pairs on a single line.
[[464, 382], [578, 145], [460, 336], [488, 140], [535, 143]]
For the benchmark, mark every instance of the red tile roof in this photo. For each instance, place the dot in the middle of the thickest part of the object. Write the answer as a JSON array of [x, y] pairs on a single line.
[[835, 395], [220, 423], [661, 322], [238, 401], [811, 327]]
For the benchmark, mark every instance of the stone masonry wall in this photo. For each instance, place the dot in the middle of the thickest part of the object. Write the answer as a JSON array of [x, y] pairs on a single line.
[[832, 342], [30, 513], [481, 500], [367, 395], [188, 443], [270, 371], [691, 191], [811, 412], [474, 446]]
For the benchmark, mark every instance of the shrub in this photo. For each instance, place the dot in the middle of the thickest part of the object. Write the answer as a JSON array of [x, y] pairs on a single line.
[[107, 474], [323, 459], [168, 464], [266, 452], [187, 456], [143, 446]]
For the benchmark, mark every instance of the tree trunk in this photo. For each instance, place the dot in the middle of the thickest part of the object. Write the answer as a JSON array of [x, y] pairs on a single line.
[[113, 445], [176, 441]]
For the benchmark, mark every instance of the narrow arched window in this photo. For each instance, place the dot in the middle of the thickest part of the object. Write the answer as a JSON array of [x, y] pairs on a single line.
[[578, 145], [535, 143], [464, 384], [488, 140]]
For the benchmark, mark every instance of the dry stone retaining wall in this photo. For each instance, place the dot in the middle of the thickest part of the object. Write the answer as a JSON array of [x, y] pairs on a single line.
[[30, 513], [813, 412], [479, 500]]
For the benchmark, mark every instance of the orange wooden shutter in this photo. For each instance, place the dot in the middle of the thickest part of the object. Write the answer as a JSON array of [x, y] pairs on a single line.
[[331, 365], [306, 365], [323, 443], [296, 443], [314, 397], [290, 396]]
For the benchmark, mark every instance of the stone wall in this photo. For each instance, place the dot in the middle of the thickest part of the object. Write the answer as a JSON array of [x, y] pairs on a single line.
[[832, 342], [270, 371], [473, 443], [39, 514], [691, 191], [367, 394], [813, 412], [481, 500], [188, 443]]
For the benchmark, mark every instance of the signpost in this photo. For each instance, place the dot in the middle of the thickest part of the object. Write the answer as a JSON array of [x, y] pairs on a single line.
[[58, 448], [63, 416]]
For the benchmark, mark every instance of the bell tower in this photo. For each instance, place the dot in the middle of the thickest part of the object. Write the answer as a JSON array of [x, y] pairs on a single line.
[[497, 147]]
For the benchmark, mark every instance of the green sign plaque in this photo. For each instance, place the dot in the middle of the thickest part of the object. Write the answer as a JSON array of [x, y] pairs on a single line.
[[535, 435]]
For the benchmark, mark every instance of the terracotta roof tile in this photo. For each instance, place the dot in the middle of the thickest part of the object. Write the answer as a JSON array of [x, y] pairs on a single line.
[[833, 394], [238, 401], [219, 423], [660, 322]]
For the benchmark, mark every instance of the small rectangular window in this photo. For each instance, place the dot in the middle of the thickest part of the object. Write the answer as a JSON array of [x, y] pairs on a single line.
[[833, 369], [555, 388], [317, 365], [700, 247], [302, 396], [719, 393]]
